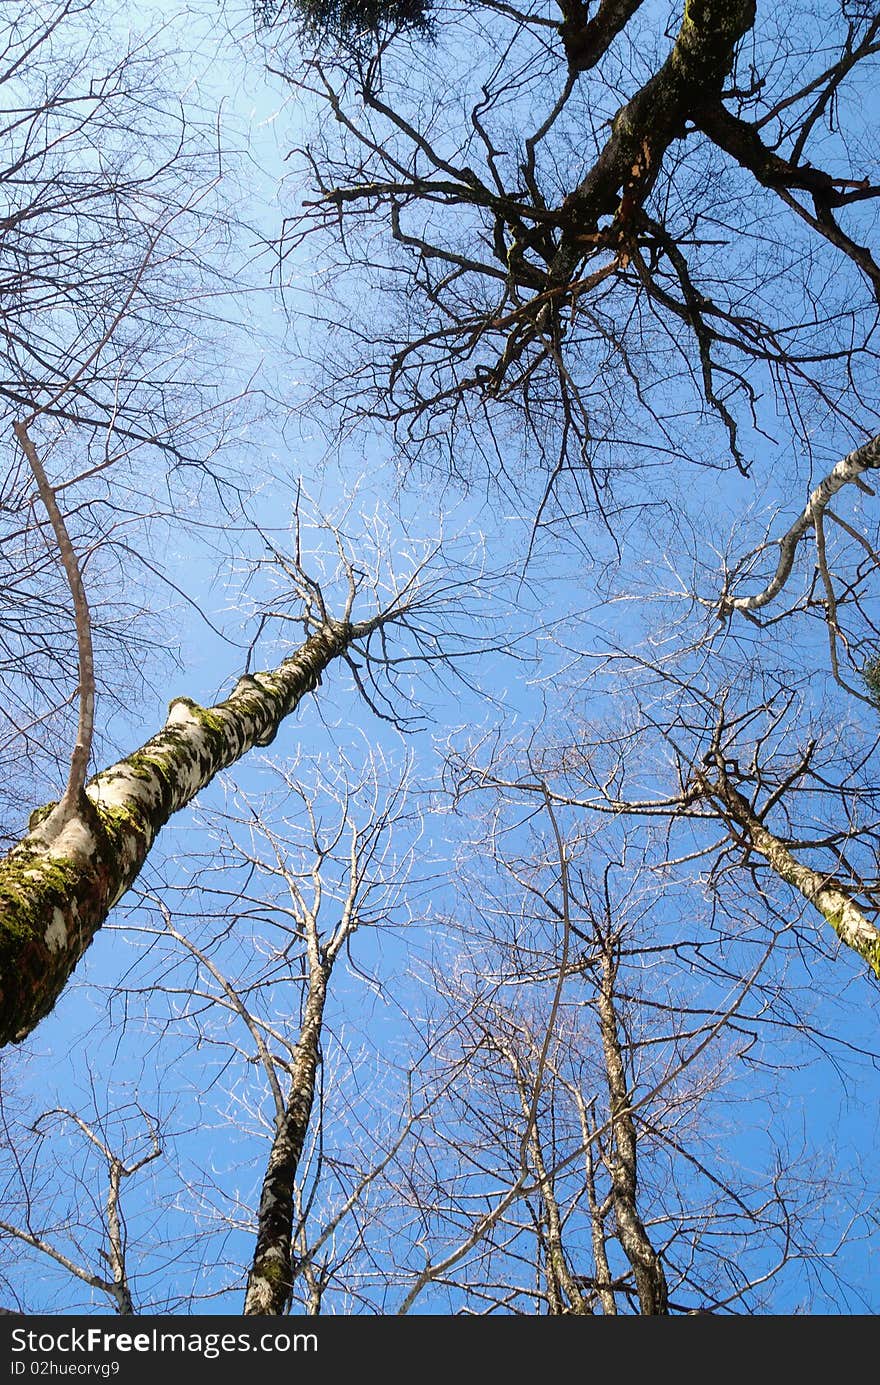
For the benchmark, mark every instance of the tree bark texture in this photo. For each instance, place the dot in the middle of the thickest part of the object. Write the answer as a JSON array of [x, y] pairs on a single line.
[[643, 129], [832, 900], [646, 1264], [59, 883], [270, 1281]]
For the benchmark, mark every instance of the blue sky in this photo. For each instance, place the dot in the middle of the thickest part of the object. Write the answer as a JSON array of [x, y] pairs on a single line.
[[564, 617]]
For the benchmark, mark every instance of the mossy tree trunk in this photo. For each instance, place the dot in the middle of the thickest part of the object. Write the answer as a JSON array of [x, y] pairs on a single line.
[[59, 883]]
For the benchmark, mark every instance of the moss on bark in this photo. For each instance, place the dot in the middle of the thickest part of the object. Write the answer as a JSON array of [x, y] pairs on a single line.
[[59, 883]]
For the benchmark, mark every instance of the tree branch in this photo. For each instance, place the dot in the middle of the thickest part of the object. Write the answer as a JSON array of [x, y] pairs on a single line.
[[79, 761], [848, 469]]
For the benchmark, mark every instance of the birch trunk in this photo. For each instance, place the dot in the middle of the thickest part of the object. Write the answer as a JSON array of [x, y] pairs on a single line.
[[59, 883], [832, 900]]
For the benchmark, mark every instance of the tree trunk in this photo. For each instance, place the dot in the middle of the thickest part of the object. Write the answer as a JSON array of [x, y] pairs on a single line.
[[646, 1264], [644, 128], [832, 900], [59, 883], [270, 1281]]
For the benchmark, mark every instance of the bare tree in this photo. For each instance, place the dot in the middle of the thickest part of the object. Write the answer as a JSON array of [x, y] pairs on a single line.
[[82, 853], [109, 229], [625, 249], [361, 850], [795, 802], [574, 1165], [590, 212], [61, 1160], [593, 1065], [114, 252], [239, 956]]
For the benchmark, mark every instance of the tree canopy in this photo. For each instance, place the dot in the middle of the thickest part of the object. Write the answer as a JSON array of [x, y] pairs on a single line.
[[440, 657]]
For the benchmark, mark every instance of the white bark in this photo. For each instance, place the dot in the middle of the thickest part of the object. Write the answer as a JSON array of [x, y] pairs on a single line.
[[848, 470], [59, 883], [832, 900]]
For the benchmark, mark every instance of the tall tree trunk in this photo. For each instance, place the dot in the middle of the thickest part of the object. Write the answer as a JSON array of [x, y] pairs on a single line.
[[636, 1244], [59, 883], [270, 1281]]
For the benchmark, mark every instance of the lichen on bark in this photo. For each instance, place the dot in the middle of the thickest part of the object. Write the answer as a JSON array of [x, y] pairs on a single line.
[[59, 882], [827, 895]]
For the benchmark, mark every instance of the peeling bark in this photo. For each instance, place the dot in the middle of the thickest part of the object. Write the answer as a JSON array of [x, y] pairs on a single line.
[[59, 883]]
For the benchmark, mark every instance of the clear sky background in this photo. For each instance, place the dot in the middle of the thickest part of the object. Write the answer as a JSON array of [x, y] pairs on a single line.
[[127, 1051]]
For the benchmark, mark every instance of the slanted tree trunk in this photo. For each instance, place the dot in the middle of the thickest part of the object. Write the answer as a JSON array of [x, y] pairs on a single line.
[[643, 129], [59, 883], [830, 898]]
